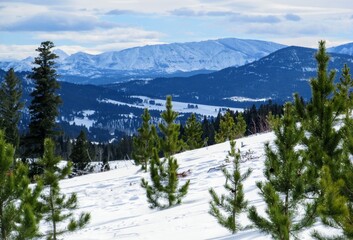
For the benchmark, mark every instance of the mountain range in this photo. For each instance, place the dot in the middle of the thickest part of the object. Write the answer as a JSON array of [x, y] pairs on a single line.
[[111, 110], [176, 59], [276, 76]]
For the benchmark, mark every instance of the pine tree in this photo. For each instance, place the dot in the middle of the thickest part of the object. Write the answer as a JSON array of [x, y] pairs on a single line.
[[284, 190], [164, 191], [319, 118], [80, 156], [144, 143], [45, 101], [328, 150], [240, 126], [57, 208], [193, 133], [10, 107], [227, 208], [226, 129], [17, 200], [170, 143]]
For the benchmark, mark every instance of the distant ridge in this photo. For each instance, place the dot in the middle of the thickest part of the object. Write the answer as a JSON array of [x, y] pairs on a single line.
[[175, 59]]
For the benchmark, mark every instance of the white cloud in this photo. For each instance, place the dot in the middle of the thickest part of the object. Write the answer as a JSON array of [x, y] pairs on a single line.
[[9, 52]]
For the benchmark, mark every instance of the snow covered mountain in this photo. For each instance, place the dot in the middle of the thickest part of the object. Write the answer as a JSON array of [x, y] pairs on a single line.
[[276, 76], [343, 49], [155, 60]]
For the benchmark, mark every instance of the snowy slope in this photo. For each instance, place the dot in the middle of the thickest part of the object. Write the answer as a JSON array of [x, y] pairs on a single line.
[[158, 60], [120, 211]]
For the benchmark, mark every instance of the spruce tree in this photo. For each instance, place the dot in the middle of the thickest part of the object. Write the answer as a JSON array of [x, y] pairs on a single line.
[[164, 191], [226, 208], [79, 155], [284, 188], [45, 100], [193, 134], [144, 142], [10, 107], [170, 143], [57, 207], [18, 202]]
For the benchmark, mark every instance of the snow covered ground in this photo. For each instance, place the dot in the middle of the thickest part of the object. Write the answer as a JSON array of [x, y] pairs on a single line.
[[181, 107], [120, 210]]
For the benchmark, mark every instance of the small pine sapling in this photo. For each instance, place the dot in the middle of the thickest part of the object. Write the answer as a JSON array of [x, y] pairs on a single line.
[[226, 208], [164, 191], [57, 208]]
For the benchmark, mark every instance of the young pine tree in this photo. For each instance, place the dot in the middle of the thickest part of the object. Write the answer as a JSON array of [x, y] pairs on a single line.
[[144, 142], [10, 107], [283, 192], [79, 155], [18, 201], [57, 208], [226, 208], [328, 150], [226, 129], [336, 199], [193, 134], [170, 143], [45, 101], [164, 191]]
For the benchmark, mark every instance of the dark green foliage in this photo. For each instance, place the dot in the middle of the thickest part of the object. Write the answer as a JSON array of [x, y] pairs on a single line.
[[193, 134], [226, 208], [327, 149], [17, 201], [229, 129], [226, 129], [170, 143], [57, 207], [164, 191], [10, 107], [144, 142], [80, 155], [45, 101], [283, 192]]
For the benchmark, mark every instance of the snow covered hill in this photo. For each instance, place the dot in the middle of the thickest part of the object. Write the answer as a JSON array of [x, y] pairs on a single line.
[[120, 210], [155, 60]]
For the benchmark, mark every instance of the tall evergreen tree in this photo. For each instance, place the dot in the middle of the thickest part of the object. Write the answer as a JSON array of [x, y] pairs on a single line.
[[45, 101], [170, 143], [10, 107], [284, 190], [226, 208], [145, 141], [17, 200], [193, 134], [80, 156], [57, 208], [240, 126], [164, 191]]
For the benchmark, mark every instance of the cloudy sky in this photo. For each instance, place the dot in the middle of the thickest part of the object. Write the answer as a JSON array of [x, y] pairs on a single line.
[[95, 26]]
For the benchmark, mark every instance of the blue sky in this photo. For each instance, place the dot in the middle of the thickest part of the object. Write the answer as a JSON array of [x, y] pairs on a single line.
[[110, 25]]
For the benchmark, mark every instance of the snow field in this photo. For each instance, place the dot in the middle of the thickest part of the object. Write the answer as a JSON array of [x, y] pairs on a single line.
[[119, 207]]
